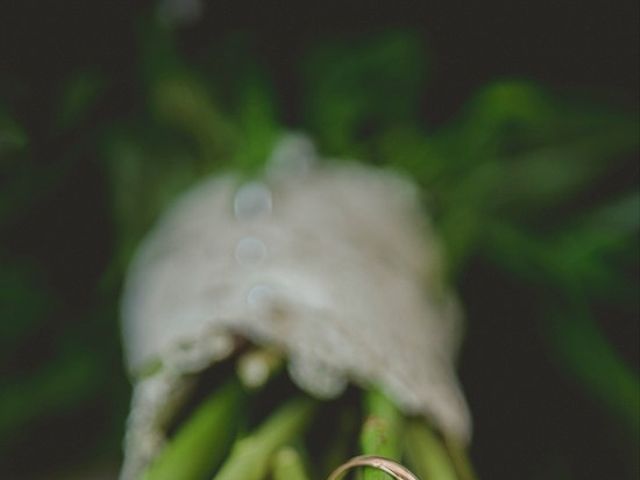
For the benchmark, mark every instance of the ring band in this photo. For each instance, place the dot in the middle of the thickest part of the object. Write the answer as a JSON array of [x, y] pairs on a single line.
[[391, 468]]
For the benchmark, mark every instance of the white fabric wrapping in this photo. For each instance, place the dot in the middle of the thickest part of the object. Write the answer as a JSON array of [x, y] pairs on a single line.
[[333, 263]]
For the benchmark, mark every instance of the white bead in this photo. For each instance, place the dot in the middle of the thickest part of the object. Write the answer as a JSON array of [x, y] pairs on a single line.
[[259, 295]]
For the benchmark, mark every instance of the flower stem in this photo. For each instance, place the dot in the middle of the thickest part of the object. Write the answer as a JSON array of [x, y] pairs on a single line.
[[427, 453], [204, 440], [287, 465], [461, 460], [250, 457], [381, 431]]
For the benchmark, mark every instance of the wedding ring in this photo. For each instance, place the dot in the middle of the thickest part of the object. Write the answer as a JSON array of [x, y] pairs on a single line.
[[391, 468]]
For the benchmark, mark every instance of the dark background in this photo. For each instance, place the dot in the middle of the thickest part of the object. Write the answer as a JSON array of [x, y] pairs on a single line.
[[516, 392], [564, 44]]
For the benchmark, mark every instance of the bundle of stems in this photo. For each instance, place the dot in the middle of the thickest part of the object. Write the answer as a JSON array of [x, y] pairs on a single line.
[[208, 445]]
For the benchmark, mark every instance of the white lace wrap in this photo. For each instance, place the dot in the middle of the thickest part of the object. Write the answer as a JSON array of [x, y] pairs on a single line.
[[334, 264]]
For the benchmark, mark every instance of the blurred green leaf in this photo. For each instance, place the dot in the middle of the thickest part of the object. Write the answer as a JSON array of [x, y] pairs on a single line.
[[70, 378], [516, 151], [572, 266], [145, 175], [356, 89], [179, 97], [13, 138], [579, 254], [182, 102], [24, 303], [79, 94], [258, 123], [583, 349]]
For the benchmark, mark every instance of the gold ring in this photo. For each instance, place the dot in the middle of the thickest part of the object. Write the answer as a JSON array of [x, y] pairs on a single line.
[[391, 468]]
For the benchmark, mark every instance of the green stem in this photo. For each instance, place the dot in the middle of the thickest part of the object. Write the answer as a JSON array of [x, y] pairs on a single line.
[[381, 431], [288, 465], [250, 457], [339, 446], [460, 460], [204, 440], [427, 453]]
